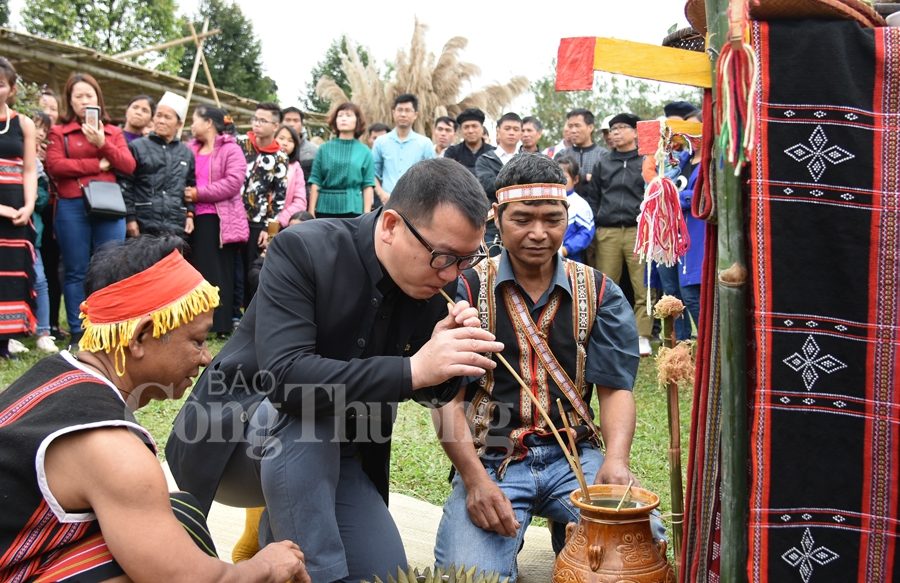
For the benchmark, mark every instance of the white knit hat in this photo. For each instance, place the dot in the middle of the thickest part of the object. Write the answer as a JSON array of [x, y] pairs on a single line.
[[176, 102]]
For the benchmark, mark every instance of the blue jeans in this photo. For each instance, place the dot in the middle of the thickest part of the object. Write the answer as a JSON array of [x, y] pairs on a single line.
[[668, 276], [43, 296], [79, 237], [539, 485], [691, 296], [315, 495]]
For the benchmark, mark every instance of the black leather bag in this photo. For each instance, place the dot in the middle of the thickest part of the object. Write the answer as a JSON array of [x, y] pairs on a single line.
[[102, 199]]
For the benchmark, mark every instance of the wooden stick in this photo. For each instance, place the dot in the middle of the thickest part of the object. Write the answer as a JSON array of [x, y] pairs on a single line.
[[675, 480], [579, 475], [209, 78], [534, 399], [165, 45], [190, 90]]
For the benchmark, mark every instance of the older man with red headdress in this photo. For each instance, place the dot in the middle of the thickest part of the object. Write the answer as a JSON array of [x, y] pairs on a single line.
[[84, 497]]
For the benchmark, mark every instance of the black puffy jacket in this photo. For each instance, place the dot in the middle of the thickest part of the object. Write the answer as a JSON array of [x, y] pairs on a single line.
[[616, 189], [154, 193]]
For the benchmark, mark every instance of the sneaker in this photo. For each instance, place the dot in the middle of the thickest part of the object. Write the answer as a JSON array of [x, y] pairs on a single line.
[[16, 347], [644, 346], [46, 344]]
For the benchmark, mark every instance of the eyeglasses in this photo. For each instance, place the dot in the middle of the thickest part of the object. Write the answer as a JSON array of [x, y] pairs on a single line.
[[261, 121], [619, 128], [441, 260]]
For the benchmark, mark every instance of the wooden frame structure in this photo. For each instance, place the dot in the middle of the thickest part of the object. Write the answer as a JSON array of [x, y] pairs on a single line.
[[45, 61]]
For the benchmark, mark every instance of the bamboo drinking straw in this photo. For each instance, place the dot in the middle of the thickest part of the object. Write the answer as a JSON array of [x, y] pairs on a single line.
[[585, 493], [534, 400]]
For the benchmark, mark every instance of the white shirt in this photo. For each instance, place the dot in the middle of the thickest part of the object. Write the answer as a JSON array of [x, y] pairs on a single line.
[[504, 156]]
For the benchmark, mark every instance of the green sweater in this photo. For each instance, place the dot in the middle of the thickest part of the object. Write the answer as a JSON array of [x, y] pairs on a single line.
[[342, 169]]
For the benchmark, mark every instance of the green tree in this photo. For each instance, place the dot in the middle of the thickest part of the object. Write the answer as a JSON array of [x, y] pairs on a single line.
[[330, 66], [611, 94], [234, 55], [4, 12], [108, 26]]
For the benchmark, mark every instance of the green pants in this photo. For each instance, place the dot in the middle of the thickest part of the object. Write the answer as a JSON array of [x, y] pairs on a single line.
[[615, 245]]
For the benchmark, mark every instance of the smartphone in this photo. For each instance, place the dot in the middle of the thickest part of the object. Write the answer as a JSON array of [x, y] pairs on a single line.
[[92, 116]]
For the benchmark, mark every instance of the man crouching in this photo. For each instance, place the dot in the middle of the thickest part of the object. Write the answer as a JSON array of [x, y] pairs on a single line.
[[83, 496]]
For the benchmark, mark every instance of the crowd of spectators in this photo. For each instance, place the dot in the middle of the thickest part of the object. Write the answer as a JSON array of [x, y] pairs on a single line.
[[226, 194]]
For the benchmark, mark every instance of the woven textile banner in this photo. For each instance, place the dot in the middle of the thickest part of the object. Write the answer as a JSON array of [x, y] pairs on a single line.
[[824, 236]]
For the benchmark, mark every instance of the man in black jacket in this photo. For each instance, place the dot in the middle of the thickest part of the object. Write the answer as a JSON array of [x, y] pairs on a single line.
[[580, 127], [154, 193], [473, 146], [295, 413], [615, 192]]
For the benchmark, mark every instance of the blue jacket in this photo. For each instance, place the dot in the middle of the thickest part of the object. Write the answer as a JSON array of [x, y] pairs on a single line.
[[691, 270]]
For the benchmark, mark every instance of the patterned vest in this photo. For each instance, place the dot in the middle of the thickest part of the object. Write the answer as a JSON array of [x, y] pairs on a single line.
[[500, 414], [53, 397]]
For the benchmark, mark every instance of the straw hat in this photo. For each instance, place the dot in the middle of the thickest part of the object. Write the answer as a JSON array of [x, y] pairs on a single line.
[[855, 10]]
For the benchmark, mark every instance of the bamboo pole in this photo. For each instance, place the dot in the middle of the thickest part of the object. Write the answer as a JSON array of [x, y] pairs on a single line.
[[166, 45], [675, 480], [209, 79], [196, 65], [732, 337]]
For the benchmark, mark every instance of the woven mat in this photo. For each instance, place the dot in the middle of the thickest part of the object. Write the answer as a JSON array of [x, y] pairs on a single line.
[[417, 522]]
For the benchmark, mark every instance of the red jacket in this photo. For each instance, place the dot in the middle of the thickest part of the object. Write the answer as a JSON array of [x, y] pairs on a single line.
[[83, 162]]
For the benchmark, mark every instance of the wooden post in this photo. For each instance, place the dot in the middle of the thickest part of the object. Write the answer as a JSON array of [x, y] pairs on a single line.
[[732, 280], [190, 90], [676, 483], [209, 79]]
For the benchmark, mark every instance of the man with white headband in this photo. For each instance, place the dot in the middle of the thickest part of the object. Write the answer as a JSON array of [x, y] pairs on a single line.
[[84, 498], [565, 327]]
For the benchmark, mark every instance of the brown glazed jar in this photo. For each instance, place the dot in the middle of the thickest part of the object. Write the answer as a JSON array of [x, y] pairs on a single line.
[[613, 547]]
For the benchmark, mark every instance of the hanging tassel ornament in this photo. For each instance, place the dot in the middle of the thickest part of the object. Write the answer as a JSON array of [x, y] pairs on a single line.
[[662, 234], [736, 91]]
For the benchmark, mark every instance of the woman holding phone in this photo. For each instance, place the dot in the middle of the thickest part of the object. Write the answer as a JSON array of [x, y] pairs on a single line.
[[84, 147]]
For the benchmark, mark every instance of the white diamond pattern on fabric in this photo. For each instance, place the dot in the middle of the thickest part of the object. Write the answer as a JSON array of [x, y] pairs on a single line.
[[807, 555], [807, 362], [819, 157]]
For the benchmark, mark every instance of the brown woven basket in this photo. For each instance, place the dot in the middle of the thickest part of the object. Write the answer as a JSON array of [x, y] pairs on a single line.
[[864, 14], [687, 39]]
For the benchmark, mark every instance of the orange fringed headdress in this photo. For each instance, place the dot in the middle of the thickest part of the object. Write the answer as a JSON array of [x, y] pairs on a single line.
[[172, 292]]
